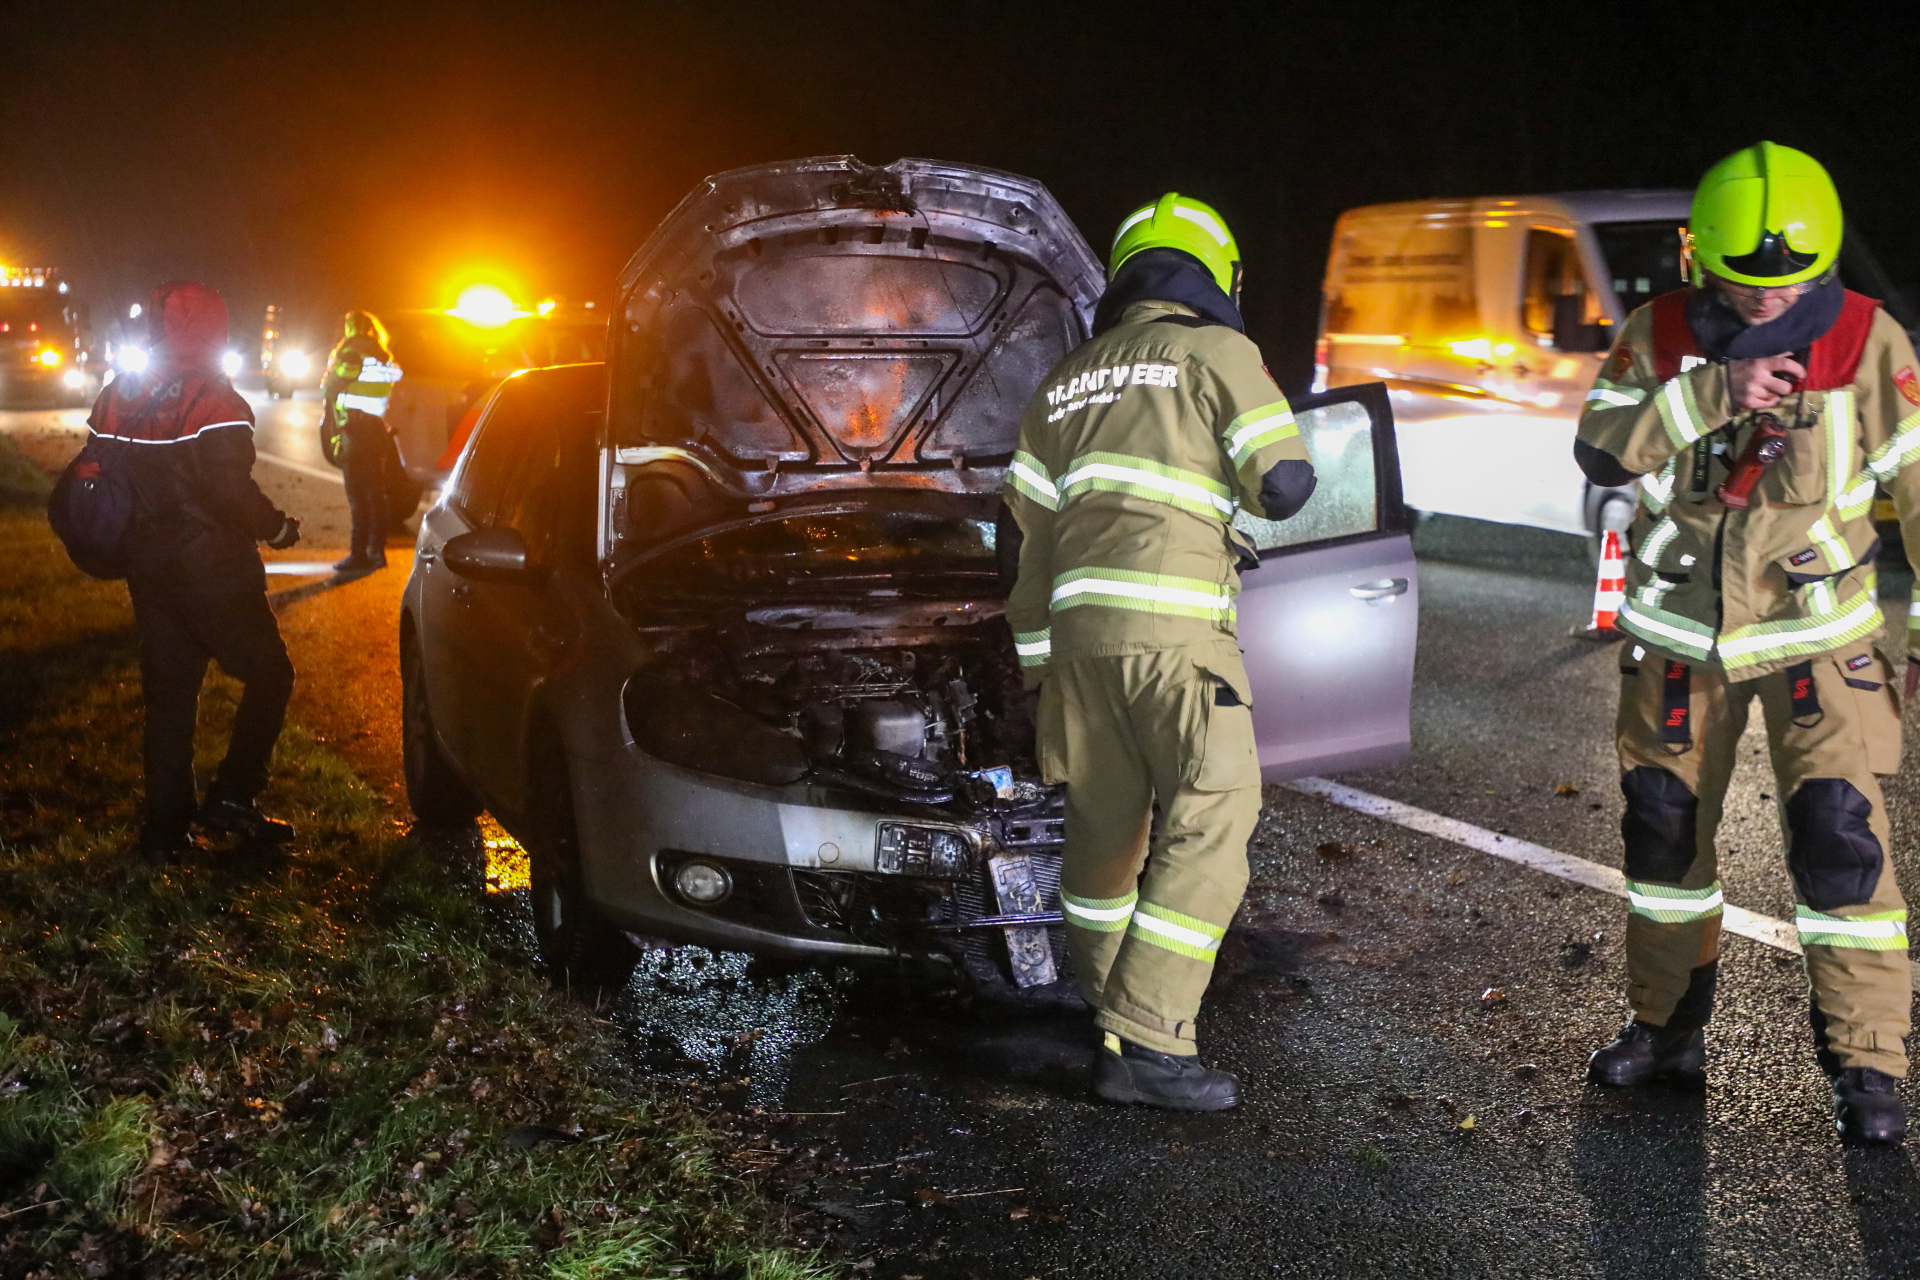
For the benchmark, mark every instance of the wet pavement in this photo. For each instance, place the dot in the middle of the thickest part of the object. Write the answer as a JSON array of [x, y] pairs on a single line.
[[1409, 1019]]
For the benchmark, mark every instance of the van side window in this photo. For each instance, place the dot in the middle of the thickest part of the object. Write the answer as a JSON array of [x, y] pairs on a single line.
[[1553, 273]]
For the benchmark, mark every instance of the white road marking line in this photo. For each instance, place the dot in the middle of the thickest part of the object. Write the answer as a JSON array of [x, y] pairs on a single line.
[[1768, 931], [302, 568], [318, 473]]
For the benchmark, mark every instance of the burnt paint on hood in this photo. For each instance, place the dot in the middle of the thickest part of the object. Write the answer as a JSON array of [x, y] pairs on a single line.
[[1166, 275]]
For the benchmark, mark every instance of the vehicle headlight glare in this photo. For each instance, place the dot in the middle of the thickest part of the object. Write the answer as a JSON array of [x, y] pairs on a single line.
[[73, 379], [702, 883], [132, 359], [230, 363], [295, 364], [49, 358]]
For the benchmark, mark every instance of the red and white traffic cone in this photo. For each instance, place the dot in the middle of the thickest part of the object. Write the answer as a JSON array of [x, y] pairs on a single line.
[[1609, 590]]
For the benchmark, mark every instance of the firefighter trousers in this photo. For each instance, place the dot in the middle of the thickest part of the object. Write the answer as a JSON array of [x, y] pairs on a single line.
[[1833, 724], [1146, 906]]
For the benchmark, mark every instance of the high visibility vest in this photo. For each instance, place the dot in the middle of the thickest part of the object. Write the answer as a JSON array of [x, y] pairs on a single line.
[[370, 388]]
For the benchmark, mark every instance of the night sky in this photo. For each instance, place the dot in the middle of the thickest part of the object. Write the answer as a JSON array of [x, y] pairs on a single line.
[[325, 155]]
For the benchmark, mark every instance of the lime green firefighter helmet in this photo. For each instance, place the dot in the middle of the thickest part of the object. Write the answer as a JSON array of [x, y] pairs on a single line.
[[1180, 222], [1765, 215]]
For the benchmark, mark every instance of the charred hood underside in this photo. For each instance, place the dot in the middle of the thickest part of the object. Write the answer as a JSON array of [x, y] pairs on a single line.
[[819, 323]]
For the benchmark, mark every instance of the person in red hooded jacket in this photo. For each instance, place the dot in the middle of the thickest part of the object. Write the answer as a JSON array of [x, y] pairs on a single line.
[[198, 586]]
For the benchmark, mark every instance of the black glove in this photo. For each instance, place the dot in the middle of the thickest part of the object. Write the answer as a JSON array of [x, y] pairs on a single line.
[[288, 535], [1286, 488]]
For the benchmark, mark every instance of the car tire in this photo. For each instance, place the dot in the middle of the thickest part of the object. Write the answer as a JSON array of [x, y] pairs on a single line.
[[436, 792], [578, 947]]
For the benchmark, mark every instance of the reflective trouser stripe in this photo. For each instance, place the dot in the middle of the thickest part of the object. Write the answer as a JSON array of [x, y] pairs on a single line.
[[1028, 477], [1184, 935], [1839, 555], [1144, 478], [1669, 905], [1033, 647], [1146, 592], [375, 405], [1876, 931], [1102, 915]]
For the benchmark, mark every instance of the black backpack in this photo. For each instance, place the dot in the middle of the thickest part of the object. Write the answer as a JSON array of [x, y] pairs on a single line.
[[91, 508]]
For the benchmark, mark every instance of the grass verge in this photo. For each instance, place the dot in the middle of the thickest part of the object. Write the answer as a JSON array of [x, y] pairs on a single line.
[[339, 1062]]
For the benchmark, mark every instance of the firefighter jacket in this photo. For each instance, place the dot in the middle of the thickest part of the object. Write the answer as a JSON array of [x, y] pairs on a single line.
[[1134, 456], [1753, 590], [359, 376]]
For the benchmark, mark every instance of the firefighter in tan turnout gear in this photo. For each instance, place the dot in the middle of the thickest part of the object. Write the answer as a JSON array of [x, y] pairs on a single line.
[[1759, 410], [1134, 456]]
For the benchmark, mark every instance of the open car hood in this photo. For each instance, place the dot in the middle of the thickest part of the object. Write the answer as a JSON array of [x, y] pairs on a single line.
[[816, 322]]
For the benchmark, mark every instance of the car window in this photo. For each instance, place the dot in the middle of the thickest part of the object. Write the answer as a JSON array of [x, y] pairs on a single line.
[[534, 463], [1340, 439], [498, 451], [1553, 273], [1643, 259]]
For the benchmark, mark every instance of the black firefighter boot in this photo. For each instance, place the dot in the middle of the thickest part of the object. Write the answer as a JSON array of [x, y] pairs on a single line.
[[1676, 1052], [1866, 1103], [1127, 1072], [243, 818]]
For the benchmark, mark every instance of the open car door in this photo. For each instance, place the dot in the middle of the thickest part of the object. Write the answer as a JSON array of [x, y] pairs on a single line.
[[1329, 619]]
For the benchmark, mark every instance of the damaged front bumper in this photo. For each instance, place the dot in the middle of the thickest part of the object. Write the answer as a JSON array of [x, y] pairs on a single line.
[[800, 873]]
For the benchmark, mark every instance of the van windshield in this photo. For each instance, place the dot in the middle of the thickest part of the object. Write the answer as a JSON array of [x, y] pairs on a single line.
[[842, 549], [1643, 259]]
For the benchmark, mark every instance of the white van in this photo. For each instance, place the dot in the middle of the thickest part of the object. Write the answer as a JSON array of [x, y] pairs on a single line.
[[1488, 320]]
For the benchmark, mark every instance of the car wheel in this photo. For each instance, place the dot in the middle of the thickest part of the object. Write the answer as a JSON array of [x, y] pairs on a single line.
[[438, 796], [576, 944], [1616, 513]]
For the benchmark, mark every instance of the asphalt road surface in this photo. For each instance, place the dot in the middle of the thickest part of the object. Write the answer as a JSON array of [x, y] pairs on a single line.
[[1409, 1016]]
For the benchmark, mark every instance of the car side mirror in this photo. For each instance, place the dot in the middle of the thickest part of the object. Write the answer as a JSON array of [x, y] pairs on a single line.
[[1571, 333], [492, 555]]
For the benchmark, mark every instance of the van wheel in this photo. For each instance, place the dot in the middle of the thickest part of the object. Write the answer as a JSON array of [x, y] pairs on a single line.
[[1616, 513], [438, 796], [577, 946]]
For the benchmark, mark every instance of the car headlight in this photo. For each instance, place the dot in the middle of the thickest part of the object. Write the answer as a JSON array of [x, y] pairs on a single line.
[[49, 358], [908, 850], [230, 363], [295, 364], [132, 359], [702, 884], [73, 379]]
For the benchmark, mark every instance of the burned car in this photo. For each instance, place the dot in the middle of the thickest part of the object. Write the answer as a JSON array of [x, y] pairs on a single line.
[[715, 628]]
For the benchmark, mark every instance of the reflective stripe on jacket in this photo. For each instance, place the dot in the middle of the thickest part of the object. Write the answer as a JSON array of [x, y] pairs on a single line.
[[1134, 456], [359, 380], [1754, 590]]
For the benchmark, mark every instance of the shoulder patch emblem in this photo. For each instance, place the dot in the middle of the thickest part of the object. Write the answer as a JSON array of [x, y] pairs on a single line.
[[1908, 383], [1620, 364]]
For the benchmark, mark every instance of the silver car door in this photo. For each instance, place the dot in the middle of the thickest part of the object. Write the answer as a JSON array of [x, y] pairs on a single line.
[[1329, 618]]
